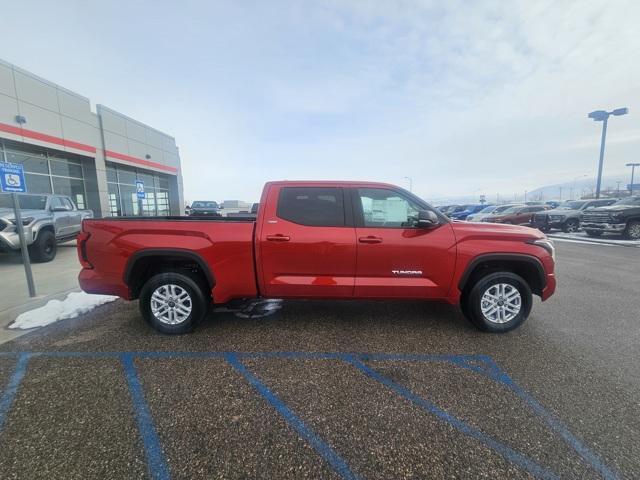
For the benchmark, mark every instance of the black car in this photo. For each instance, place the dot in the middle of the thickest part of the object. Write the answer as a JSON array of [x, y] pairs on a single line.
[[621, 217], [205, 209], [568, 215]]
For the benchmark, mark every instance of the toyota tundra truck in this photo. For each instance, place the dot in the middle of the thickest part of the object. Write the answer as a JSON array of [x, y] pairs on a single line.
[[318, 240]]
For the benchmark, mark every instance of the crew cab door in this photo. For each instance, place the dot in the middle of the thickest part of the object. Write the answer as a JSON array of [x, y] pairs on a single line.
[[306, 243], [396, 259]]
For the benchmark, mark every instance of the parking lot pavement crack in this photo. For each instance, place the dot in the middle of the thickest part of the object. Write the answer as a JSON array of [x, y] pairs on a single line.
[[507, 452]]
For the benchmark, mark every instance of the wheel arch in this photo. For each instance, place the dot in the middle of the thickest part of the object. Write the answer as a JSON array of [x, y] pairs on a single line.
[[145, 263], [527, 266]]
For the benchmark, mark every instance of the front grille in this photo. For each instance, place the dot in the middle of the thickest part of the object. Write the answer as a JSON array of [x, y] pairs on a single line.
[[595, 217]]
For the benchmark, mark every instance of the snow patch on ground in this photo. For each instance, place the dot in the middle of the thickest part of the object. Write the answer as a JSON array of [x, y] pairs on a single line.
[[75, 304]]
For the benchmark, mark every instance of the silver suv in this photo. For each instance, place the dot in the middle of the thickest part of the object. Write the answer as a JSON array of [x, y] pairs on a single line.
[[47, 220]]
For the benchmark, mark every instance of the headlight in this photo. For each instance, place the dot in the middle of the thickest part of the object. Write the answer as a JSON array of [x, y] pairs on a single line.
[[617, 216], [547, 245]]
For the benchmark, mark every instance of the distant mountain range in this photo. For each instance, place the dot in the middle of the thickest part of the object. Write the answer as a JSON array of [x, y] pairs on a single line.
[[564, 191]]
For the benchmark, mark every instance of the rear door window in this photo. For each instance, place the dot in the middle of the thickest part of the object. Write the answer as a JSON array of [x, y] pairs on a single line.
[[312, 206]]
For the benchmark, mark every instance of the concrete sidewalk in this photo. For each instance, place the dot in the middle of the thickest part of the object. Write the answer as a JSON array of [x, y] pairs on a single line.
[[53, 280]]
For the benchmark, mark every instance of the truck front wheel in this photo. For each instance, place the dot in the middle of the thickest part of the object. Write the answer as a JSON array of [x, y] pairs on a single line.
[[632, 232], [44, 248], [498, 302], [173, 303]]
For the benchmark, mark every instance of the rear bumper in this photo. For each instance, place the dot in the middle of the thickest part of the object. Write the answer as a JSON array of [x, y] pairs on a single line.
[[605, 227], [91, 282]]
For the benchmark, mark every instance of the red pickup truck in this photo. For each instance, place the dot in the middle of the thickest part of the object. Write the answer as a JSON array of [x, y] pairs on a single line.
[[330, 240]]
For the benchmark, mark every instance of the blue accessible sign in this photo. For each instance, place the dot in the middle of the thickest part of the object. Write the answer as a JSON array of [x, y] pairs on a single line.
[[12, 177], [140, 188]]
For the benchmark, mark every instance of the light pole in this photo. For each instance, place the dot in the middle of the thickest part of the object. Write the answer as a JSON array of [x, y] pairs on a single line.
[[410, 183], [633, 170], [603, 116]]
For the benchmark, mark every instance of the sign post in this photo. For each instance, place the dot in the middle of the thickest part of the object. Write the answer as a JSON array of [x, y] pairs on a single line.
[[12, 180]]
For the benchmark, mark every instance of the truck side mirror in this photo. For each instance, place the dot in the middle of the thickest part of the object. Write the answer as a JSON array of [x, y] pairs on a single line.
[[427, 219]]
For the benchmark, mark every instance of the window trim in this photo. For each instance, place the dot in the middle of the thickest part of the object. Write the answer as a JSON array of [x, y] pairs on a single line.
[[358, 214], [347, 209]]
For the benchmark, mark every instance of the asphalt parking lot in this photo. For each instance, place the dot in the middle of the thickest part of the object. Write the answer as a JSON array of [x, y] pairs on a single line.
[[337, 390]]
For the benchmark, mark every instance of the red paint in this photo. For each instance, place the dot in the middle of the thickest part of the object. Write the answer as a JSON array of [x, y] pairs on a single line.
[[46, 138], [297, 261], [23, 132], [139, 161]]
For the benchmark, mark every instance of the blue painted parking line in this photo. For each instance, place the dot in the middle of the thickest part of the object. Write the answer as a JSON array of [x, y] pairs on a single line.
[[320, 446], [481, 364], [11, 389], [156, 462], [463, 427]]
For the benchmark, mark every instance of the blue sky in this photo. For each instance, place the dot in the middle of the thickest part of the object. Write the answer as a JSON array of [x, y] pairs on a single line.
[[464, 97]]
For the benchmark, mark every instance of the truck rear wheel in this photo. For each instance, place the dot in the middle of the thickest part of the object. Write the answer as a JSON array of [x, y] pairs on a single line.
[[498, 302], [173, 303], [44, 248]]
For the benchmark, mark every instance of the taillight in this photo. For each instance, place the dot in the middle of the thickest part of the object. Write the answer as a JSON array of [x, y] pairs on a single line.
[[82, 249]]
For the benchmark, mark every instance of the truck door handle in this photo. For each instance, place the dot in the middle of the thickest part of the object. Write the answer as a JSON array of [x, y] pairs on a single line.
[[278, 238], [370, 239]]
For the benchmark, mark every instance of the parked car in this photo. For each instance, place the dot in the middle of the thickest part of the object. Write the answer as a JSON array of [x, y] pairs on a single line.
[[468, 210], [491, 210], [445, 209], [516, 215], [318, 240], [622, 217], [47, 220], [567, 216], [206, 208]]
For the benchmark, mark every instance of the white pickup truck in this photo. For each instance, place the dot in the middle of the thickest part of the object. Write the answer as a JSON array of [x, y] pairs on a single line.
[[47, 221]]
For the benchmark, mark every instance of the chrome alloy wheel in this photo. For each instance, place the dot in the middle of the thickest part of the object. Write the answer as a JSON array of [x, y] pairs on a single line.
[[171, 304], [500, 303]]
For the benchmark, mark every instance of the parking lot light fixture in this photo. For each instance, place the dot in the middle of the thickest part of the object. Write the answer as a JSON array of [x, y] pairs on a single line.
[[633, 171], [603, 116]]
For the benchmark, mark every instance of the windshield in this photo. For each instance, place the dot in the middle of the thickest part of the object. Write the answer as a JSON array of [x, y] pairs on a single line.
[[488, 209], [629, 201], [571, 205], [204, 205], [27, 202]]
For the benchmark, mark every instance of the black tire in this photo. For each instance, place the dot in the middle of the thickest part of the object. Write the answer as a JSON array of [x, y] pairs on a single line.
[[632, 232], [198, 300], [44, 248], [594, 233], [473, 302], [571, 225]]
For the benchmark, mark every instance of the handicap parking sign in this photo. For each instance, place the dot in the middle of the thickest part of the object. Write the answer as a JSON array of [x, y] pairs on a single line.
[[12, 177], [140, 188]]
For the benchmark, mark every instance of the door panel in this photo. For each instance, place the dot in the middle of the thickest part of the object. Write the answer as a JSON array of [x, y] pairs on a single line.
[[394, 259], [306, 260]]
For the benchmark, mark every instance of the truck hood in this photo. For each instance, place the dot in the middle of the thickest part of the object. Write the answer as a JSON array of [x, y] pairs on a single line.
[[496, 231], [614, 208], [7, 213]]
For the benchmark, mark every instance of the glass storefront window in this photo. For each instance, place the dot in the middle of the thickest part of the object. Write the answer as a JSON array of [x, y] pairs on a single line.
[[112, 175], [71, 187], [129, 201], [37, 183], [31, 163], [126, 175], [66, 168]]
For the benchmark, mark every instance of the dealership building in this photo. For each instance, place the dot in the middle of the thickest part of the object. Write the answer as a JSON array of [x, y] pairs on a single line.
[[100, 159]]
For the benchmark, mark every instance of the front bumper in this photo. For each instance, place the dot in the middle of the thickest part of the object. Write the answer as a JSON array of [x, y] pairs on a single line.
[[10, 240], [605, 227], [550, 288]]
